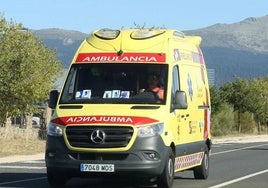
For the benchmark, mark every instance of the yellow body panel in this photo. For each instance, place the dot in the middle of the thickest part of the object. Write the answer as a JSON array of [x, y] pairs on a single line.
[[151, 48], [166, 42]]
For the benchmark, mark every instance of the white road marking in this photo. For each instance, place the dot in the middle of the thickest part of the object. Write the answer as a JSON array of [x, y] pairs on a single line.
[[34, 162], [233, 150], [23, 167], [239, 179], [20, 181], [224, 144]]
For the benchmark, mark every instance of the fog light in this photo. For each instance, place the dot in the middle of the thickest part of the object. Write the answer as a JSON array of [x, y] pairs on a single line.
[[151, 155]]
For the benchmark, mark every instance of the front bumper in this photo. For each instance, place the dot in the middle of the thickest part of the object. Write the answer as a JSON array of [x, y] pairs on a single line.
[[146, 158]]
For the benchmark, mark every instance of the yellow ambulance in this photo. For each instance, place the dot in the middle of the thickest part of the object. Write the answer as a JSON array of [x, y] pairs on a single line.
[[135, 103]]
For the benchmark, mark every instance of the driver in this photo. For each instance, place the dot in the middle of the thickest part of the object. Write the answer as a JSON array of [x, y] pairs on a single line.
[[154, 86]]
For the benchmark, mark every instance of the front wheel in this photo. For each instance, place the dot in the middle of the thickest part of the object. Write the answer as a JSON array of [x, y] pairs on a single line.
[[166, 178], [202, 171]]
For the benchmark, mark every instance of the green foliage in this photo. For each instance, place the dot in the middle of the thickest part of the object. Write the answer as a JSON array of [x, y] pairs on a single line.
[[249, 99], [258, 99], [223, 122], [247, 122], [216, 100], [236, 94], [28, 70]]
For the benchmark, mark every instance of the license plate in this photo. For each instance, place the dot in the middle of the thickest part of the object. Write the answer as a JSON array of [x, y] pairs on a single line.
[[97, 168]]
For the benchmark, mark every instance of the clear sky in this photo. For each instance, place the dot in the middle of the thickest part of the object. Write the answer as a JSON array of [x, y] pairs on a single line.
[[86, 15]]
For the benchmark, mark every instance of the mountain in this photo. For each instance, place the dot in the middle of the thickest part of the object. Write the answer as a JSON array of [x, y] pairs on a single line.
[[65, 42], [230, 50], [236, 50], [250, 34]]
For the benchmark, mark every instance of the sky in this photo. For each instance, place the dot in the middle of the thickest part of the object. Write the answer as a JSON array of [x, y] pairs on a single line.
[[87, 15]]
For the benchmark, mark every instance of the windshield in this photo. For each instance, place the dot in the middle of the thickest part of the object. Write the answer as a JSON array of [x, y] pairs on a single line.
[[115, 83]]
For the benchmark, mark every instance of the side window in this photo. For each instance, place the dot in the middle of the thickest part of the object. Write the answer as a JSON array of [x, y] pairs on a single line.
[[175, 81], [68, 92]]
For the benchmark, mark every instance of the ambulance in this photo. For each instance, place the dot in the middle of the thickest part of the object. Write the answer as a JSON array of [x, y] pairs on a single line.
[[105, 123]]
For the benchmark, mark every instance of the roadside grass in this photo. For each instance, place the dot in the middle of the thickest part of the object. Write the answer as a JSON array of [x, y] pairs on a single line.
[[17, 141]]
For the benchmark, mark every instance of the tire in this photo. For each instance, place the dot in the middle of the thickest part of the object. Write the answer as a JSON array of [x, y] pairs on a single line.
[[202, 171], [56, 178], [166, 179]]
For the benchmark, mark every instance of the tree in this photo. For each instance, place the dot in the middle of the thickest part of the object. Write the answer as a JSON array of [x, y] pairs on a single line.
[[236, 93], [28, 70], [216, 100], [258, 100]]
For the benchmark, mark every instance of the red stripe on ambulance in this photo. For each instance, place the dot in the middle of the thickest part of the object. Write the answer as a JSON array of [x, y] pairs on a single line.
[[125, 57], [79, 120]]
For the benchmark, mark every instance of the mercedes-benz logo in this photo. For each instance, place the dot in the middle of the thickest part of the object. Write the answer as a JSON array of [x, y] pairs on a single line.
[[98, 136]]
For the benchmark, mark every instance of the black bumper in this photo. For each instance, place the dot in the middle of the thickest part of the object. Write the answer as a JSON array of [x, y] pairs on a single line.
[[146, 158]]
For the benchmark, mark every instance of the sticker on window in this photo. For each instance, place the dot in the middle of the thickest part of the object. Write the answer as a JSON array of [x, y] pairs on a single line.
[[115, 93], [85, 94], [78, 95], [124, 94], [107, 94]]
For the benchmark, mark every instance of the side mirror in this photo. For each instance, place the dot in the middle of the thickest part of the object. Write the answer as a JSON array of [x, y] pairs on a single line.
[[53, 98], [180, 100]]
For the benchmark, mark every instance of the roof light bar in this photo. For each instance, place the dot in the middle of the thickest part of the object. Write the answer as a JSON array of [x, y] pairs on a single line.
[[145, 33], [179, 34], [107, 33]]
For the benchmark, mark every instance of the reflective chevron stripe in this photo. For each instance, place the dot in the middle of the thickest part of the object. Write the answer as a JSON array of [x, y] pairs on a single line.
[[187, 161]]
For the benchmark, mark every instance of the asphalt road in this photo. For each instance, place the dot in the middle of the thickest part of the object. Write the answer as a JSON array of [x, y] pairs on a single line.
[[236, 165]]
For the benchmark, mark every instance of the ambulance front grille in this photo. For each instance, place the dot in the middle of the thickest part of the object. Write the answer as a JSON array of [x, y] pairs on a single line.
[[98, 136]]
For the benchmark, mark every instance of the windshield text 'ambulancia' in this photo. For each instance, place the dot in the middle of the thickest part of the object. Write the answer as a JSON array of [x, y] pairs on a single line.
[[125, 57], [99, 119], [79, 120]]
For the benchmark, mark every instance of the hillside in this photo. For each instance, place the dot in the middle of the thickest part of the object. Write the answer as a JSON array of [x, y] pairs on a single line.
[[236, 50], [250, 34], [231, 50], [65, 42]]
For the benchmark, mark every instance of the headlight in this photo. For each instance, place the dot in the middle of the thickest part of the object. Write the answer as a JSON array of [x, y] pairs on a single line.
[[151, 130], [54, 129]]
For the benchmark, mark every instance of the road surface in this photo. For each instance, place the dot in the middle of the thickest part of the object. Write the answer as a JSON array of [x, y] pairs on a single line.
[[232, 164]]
